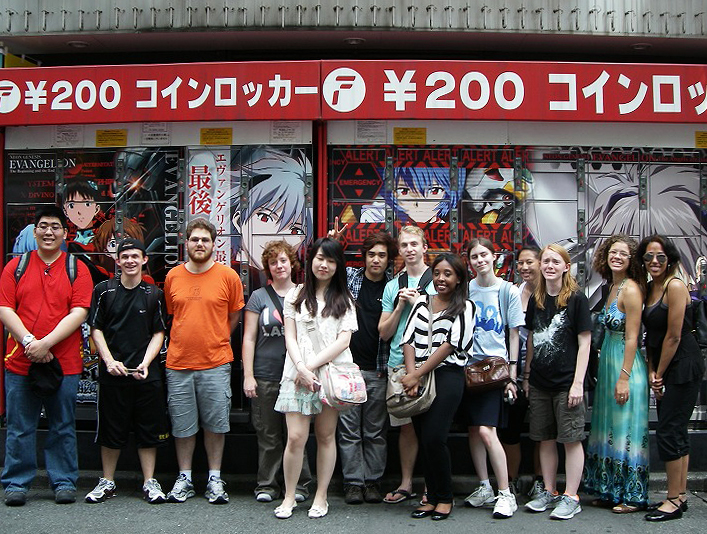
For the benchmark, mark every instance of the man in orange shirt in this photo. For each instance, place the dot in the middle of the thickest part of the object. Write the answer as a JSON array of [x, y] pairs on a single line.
[[204, 299]]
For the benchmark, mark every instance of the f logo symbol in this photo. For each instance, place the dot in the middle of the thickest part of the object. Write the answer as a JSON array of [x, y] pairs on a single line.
[[344, 90], [10, 96]]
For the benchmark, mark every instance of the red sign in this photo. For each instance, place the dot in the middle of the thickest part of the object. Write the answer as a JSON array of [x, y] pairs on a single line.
[[517, 91], [159, 93], [343, 90]]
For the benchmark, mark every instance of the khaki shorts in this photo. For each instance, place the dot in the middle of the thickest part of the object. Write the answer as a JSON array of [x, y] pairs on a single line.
[[551, 418]]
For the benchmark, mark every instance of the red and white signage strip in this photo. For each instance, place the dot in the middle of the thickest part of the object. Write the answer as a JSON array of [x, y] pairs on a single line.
[[518, 91], [159, 93], [342, 90]]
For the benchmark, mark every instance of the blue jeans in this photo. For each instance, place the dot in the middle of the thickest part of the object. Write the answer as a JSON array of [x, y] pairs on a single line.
[[23, 410]]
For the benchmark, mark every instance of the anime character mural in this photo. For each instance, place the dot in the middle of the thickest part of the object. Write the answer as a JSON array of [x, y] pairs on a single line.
[[276, 206]]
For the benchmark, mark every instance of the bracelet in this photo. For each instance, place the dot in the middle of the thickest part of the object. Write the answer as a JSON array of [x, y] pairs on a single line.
[[623, 370], [514, 362]]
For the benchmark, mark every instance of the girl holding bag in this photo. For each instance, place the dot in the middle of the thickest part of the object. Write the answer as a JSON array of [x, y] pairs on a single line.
[[444, 352], [319, 313]]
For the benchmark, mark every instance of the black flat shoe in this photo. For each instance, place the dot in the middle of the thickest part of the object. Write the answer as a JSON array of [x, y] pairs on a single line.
[[419, 514], [441, 516], [655, 505], [659, 515]]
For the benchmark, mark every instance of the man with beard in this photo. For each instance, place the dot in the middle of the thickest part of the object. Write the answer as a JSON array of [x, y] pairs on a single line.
[[204, 299]]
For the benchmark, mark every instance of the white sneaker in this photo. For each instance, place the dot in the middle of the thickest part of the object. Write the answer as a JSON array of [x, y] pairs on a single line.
[[536, 489], [480, 496], [263, 497], [152, 491], [215, 492], [182, 490], [567, 508], [104, 490], [505, 506], [543, 501]]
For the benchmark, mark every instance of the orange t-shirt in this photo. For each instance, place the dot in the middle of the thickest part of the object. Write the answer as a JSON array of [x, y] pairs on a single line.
[[200, 305]]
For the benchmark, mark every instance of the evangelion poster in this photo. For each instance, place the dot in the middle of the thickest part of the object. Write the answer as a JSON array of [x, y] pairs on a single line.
[[268, 202], [86, 188]]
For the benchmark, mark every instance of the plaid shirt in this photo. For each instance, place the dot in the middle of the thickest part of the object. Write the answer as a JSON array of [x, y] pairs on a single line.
[[354, 277]]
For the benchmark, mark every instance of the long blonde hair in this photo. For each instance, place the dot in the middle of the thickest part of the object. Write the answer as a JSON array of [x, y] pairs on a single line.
[[569, 284]]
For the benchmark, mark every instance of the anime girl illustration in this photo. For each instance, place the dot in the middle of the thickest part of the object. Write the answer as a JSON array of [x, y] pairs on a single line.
[[422, 194], [276, 205]]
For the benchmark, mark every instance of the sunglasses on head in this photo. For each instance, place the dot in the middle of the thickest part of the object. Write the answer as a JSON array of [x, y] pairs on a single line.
[[660, 257]]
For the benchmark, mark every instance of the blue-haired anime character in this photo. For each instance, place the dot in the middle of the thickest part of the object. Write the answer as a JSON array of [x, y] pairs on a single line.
[[276, 206], [423, 194]]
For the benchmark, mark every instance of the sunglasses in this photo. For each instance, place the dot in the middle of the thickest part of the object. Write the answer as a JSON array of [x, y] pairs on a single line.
[[660, 257]]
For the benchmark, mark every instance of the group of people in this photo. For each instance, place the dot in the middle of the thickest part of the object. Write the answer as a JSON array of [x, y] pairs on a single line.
[[432, 320]]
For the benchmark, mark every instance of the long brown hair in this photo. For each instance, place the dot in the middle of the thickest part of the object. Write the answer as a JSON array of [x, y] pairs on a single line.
[[569, 284]]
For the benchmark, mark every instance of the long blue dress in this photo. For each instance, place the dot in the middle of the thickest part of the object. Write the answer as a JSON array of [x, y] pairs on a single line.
[[617, 461]]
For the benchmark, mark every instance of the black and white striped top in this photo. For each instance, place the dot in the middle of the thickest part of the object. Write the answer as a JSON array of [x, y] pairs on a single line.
[[458, 332]]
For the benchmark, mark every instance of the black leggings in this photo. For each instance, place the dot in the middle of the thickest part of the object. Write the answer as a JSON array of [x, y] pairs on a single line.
[[674, 411], [432, 428]]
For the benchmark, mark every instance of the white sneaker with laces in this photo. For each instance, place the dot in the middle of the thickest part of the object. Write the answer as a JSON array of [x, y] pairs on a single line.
[[505, 506], [152, 491], [215, 492], [104, 490], [182, 490], [480, 496]]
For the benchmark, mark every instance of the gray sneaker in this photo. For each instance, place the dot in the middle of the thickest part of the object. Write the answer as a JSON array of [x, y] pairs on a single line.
[[536, 489], [215, 492], [480, 496], [182, 490], [152, 491], [542, 502], [567, 508]]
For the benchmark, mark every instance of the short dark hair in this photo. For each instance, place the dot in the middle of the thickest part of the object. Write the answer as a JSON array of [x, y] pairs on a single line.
[[82, 187], [202, 223], [380, 238], [55, 212]]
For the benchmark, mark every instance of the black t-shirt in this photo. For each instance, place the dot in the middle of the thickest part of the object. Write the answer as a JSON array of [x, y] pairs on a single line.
[[555, 343], [128, 319], [369, 306]]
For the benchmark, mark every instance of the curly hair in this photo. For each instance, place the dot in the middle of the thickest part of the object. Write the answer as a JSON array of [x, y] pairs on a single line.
[[273, 249], [600, 261]]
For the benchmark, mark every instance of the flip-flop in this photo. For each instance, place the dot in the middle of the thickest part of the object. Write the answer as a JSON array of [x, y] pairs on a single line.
[[404, 495]]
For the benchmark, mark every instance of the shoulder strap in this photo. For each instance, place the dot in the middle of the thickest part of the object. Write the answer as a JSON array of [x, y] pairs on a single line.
[[402, 282], [22, 266], [504, 300], [425, 281], [71, 267], [430, 321], [275, 299]]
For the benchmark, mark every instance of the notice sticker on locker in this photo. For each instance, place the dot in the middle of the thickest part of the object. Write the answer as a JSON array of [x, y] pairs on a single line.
[[700, 139]]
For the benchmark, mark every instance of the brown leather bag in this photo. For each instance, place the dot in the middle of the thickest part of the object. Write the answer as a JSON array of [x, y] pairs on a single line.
[[489, 373]]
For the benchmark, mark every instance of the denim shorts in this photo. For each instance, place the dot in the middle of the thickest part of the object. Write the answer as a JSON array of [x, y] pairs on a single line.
[[196, 397]]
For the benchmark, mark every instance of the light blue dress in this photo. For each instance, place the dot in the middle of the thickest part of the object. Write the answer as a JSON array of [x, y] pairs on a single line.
[[617, 462]]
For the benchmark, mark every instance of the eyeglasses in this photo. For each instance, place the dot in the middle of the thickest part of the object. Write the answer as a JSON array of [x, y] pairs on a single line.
[[660, 257], [620, 254], [43, 227]]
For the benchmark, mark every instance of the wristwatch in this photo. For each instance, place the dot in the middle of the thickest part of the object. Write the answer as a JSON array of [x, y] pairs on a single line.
[[28, 339]]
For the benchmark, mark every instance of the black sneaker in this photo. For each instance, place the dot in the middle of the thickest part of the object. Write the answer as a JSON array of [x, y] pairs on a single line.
[[372, 493], [353, 494], [15, 498], [65, 496]]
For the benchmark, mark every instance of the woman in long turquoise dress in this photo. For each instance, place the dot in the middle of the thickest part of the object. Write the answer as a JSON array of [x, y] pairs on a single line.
[[617, 463]]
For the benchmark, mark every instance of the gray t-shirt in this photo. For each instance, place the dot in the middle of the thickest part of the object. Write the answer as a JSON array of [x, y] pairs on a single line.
[[270, 345]]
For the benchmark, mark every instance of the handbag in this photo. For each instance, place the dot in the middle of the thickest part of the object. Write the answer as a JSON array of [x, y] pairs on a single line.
[[341, 384], [487, 374], [398, 402], [598, 330]]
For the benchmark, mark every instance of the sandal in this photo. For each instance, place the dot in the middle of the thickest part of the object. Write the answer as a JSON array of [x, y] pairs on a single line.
[[399, 495], [623, 508]]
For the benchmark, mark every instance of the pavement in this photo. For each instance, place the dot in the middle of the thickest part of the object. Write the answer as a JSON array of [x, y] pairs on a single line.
[[128, 513]]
